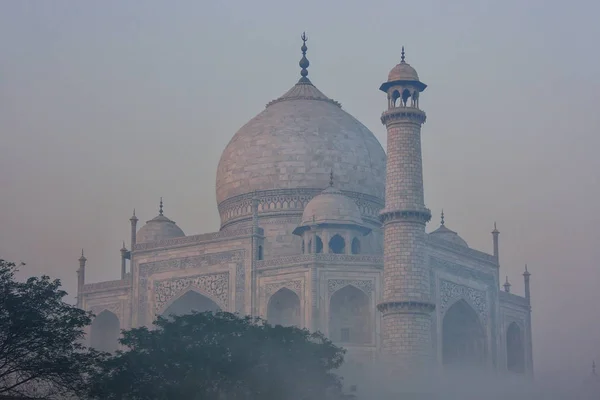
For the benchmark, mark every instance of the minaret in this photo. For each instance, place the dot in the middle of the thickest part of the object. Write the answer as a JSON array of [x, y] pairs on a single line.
[[134, 221], [80, 279], [495, 234], [406, 306]]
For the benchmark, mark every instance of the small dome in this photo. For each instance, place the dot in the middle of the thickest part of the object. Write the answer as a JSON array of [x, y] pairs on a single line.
[[403, 72], [158, 228], [448, 235], [331, 207]]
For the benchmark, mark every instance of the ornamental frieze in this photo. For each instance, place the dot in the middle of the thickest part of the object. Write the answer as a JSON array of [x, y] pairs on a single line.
[[272, 288], [321, 258], [206, 260], [216, 286], [292, 200], [114, 307], [206, 237], [333, 285], [450, 292]]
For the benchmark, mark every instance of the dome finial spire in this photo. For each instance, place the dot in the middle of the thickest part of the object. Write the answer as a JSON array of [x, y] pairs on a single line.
[[160, 208], [331, 178], [304, 61], [442, 216], [402, 58]]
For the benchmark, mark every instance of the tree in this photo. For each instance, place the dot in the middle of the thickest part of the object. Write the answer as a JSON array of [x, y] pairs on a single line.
[[41, 354], [219, 356]]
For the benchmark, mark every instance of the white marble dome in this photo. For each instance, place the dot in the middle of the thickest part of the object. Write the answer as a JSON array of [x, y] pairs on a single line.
[[331, 207], [294, 144], [158, 228]]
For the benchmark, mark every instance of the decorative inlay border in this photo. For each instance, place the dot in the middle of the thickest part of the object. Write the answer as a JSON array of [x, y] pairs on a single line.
[[450, 292], [295, 286], [366, 285], [289, 201], [148, 269], [221, 235], [108, 285], [321, 257], [113, 307], [216, 286]]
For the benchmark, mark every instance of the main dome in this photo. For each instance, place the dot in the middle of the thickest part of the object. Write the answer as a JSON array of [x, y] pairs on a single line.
[[295, 143]]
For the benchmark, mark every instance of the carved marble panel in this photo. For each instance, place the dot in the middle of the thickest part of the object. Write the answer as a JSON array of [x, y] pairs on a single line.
[[114, 307], [450, 292], [216, 286], [295, 286], [205, 260], [333, 285]]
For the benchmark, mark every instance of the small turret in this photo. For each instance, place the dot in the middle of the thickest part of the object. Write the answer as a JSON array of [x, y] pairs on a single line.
[[495, 234], [134, 221], [123, 260], [526, 276], [507, 286]]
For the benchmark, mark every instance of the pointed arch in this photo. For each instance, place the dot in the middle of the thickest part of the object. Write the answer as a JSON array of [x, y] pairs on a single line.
[[463, 336], [515, 349], [105, 331], [355, 246], [284, 308], [188, 301], [350, 316], [318, 245]]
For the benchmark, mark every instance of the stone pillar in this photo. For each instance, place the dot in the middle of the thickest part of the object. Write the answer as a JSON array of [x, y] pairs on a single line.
[[123, 261], [406, 305]]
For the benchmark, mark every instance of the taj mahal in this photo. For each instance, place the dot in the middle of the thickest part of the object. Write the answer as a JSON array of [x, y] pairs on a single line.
[[323, 229]]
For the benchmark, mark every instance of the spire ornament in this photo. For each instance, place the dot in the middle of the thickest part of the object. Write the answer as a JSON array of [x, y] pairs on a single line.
[[160, 209], [331, 178], [304, 61], [402, 58], [442, 212], [507, 286]]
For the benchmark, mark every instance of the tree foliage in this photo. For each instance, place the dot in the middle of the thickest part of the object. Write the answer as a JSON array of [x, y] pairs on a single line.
[[41, 354], [219, 356]]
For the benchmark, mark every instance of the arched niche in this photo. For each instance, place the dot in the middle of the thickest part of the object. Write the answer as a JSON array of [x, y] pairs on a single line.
[[350, 316], [463, 337], [515, 349], [189, 302], [284, 308], [337, 244], [319, 245], [105, 331], [355, 246]]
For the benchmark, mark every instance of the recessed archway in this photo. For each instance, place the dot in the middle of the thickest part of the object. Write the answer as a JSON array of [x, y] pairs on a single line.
[[191, 301], [350, 316], [284, 308], [463, 337], [105, 331], [515, 349]]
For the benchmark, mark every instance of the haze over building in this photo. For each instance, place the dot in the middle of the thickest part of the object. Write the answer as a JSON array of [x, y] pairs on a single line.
[[314, 235]]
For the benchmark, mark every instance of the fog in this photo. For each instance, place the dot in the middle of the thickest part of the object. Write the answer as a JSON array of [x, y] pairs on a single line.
[[107, 106]]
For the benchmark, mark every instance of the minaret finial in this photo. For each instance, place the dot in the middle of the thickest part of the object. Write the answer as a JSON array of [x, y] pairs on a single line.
[[160, 209], [402, 59], [442, 216], [331, 178], [304, 61], [134, 212]]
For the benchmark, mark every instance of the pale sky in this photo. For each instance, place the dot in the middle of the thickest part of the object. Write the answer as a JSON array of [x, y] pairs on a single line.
[[106, 106]]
